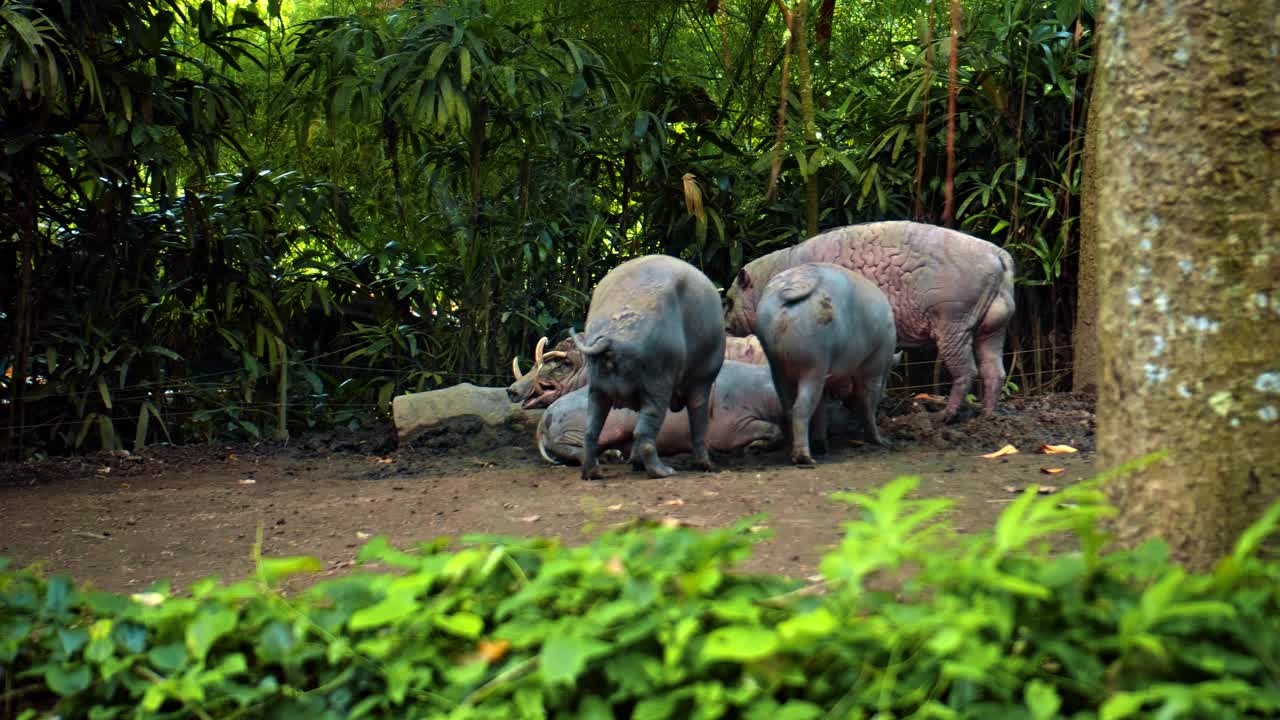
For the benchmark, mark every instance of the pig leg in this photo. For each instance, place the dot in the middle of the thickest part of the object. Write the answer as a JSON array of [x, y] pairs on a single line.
[[863, 403], [818, 428], [955, 346], [807, 399], [598, 407], [990, 350], [699, 406], [644, 453]]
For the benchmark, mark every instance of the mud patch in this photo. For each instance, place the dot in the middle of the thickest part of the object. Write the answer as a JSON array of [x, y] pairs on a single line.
[[1025, 423]]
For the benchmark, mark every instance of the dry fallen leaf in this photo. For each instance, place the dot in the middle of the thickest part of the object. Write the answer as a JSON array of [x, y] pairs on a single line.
[[1048, 489], [674, 502], [384, 460], [1057, 449], [531, 518], [248, 481], [709, 493], [492, 650], [1006, 450], [104, 470], [1052, 471], [362, 535], [757, 528], [232, 458], [614, 508], [1012, 488], [614, 567]]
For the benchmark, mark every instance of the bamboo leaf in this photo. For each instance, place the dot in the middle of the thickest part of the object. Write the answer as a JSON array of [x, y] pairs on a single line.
[[438, 56], [104, 391]]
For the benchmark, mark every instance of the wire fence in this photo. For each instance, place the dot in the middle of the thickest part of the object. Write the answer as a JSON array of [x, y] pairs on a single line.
[[162, 392]]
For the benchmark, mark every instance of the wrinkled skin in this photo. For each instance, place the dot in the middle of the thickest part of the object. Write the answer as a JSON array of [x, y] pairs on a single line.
[[562, 370], [947, 289], [829, 332], [654, 341], [745, 414]]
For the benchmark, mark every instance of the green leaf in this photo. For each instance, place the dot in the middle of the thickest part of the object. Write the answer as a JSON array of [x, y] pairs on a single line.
[[655, 708], [438, 56], [642, 124], [1253, 537], [1042, 700], [742, 643], [1123, 705], [396, 606], [104, 392], [815, 624], [209, 625], [72, 640], [65, 681], [464, 66], [564, 657], [168, 658], [272, 569], [463, 624]]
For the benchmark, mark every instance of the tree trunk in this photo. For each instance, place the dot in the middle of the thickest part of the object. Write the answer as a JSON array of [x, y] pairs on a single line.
[[953, 88], [922, 136], [780, 140], [1188, 203], [806, 108], [1085, 371]]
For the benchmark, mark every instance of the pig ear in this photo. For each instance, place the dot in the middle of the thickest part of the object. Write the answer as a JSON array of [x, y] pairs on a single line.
[[744, 279]]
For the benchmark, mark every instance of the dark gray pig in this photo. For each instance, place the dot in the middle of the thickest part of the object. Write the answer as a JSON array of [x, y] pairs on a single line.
[[827, 330], [654, 340], [947, 289], [745, 413]]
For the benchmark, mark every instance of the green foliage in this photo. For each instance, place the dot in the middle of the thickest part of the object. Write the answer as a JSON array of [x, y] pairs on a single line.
[[234, 218], [1030, 620]]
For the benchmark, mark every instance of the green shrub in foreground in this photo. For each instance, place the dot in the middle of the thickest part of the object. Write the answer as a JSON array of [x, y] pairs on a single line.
[[651, 622]]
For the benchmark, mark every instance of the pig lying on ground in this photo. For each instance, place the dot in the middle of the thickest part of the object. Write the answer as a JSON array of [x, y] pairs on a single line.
[[562, 370], [827, 330], [745, 413], [654, 341], [946, 288]]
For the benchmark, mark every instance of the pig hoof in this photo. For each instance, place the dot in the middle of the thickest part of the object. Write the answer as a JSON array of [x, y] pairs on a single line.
[[611, 457], [704, 464], [804, 460], [760, 446], [659, 470], [592, 473]]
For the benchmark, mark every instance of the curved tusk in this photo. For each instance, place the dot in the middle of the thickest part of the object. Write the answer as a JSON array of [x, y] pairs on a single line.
[[537, 352], [553, 355], [515, 368]]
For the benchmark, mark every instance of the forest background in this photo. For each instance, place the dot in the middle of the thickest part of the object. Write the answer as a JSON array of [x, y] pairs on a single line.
[[240, 218]]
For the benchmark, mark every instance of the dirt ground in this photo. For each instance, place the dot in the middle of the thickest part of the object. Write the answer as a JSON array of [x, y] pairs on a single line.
[[188, 513]]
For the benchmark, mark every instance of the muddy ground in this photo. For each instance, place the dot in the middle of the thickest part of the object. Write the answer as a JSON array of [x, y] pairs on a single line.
[[187, 513]]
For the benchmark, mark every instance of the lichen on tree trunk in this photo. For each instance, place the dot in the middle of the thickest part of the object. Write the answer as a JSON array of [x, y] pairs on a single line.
[[1188, 194]]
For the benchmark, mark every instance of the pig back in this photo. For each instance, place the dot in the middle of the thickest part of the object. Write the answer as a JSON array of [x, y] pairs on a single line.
[[663, 308], [918, 267]]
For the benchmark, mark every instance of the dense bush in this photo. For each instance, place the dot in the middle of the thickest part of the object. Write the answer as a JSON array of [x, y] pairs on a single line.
[[652, 622], [242, 219]]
